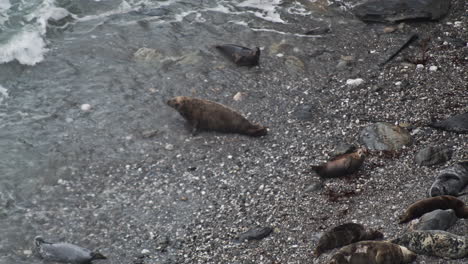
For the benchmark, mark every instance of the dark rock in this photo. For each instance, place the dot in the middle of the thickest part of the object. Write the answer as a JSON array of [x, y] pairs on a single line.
[[458, 123], [318, 31], [451, 180], [433, 155], [399, 10], [384, 136], [436, 220], [255, 234], [343, 148], [241, 56]]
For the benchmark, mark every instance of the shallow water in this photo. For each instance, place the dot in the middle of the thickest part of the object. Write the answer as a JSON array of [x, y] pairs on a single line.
[[94, 56]]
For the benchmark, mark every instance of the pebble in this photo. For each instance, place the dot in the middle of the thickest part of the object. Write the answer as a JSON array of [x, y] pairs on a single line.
[[419, 66], [145, 251], [433, 68], [27, 252], [85, 107], [354, 82], [169, 147], [398, 83], [239, 96]]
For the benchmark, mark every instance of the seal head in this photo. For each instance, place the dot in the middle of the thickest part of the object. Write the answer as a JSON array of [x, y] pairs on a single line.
[[444, 202], [65, 252]]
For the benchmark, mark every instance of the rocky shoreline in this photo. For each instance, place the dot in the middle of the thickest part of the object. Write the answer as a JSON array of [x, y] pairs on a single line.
[[188, 200]]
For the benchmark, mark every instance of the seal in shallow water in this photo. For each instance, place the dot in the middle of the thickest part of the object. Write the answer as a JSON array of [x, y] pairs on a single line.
[[343, 235], [434, 243], [450, 180], [207, 115], [341, 165], [421, 207], [65, 252], [373, 252], [241, 56]]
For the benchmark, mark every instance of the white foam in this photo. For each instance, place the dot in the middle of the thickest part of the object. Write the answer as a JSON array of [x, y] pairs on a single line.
[[267, 9], [3, 93], [28, 47]]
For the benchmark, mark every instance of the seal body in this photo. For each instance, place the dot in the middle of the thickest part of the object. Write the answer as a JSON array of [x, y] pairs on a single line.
[[436, 220], [451, 180], [435, 243], [343, 235], [241, 56], [65, 252], [255, 234], [341, 165], [458, 123], [373, 252], [207, 115], [421, 207]]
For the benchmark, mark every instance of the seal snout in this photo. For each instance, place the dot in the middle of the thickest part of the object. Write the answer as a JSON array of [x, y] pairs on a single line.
[[38, 241]]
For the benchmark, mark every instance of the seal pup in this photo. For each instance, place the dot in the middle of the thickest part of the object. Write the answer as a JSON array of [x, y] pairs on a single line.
[[435, 220], [435, 243], [373, 252], [451, 180], [207, 115], [423, 206], [65, 252], [241, 56], [343, 235], [341, 165], [457, 123]]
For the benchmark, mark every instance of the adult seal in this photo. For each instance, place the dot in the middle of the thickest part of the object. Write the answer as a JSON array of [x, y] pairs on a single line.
[[343, 235], [65, 252], [435, 220], [373, 252], [451, 180], [341, 165], [434, 243], [241, 56], [207, 115], [444, 202]]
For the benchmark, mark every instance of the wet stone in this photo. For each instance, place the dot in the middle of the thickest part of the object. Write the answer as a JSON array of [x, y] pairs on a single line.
[[255, 234], [433, 155], [343, 148], [304, 112], [384, 136], [399, 10]]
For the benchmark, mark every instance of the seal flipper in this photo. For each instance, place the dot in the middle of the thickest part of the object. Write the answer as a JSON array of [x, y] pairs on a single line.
[[257, 131]]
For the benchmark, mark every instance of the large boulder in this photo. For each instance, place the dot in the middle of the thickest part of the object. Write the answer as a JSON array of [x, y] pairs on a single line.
[[398, 10], [384, 136]]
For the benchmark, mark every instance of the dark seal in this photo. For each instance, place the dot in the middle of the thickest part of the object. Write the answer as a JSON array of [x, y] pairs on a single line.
[[343, 235], [341, 165], [458, 124], [435, 243], [373, 252], [241, 56], [451, 180], [207, 115], [65, 252], [444, 202], [256, 233]]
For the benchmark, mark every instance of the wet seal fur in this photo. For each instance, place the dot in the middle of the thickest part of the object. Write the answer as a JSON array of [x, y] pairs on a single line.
[[421, 207], [373, 252], [451, 180], [435, 220], [65, 252], [241, 56], [341, 165], [435, 243], [207, 115], [343, 235]]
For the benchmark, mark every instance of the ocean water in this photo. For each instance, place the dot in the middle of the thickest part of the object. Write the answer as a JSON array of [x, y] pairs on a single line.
[[81, 80]]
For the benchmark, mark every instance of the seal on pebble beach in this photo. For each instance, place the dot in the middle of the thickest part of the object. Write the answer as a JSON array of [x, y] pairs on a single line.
[[373, 252], [435, 243], [65, 252], [207, 115], [435, 220], [444, 202], [451, 180], [241, 56], [343, 235], [341, 165]]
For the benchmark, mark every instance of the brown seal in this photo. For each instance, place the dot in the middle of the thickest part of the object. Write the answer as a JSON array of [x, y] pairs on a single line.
[[444, 202], [207, 115], [373, 252], [241, 56], [341, 165], [343, 235]]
